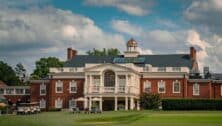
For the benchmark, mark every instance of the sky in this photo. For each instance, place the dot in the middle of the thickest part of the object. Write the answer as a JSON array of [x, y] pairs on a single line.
[[31, 29]]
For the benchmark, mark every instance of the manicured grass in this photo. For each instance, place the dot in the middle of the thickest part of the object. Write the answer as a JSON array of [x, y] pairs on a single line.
[[130, 118]]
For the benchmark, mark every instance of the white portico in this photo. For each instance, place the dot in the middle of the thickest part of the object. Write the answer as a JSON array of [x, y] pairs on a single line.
[[109, 85]]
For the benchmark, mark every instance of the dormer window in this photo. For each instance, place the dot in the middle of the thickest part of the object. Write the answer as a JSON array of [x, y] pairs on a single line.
[[176, 69], [161, 69]]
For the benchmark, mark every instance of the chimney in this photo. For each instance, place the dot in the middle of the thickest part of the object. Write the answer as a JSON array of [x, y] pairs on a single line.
[[193, 53], [71, 53]]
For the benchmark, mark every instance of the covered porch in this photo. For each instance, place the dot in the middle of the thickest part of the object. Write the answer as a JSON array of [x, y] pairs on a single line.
[[107, 103]]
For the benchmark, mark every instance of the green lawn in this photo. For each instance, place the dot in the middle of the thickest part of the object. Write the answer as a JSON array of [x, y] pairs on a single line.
[[134, 118]]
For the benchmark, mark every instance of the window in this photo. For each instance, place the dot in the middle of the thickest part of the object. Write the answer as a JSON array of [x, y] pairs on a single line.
[[42, 89], [176, 69], [96, 80], [73, 87], [72, 103], [42, 103], [58, 103], [27, 91], [74, 69], [1, 91], [196, 89], [221, 90], [147, 86], [122, 80], [161, 87], [109, 78], [59, 86], [161, 69], [19, 91], [176, 86], [9, 91]]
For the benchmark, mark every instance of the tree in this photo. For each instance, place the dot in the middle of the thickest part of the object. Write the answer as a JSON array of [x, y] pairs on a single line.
[[7, 74], [150, 101], [104, 52], [43, 65], [20, 72]]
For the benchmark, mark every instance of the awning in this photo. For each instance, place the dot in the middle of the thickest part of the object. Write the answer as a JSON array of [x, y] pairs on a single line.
[[80, 99], [96, 99]]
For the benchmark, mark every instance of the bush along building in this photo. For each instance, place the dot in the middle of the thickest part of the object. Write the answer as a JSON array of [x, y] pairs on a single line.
[[116, 82]]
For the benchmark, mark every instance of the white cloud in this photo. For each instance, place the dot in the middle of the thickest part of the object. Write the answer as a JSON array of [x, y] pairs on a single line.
[[123, 26], [144, 51], [205, 17], [167, 23], [132, 7], [40, 32]]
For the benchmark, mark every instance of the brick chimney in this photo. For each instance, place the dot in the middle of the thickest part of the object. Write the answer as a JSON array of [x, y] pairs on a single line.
[[193, 54], [71, 53]]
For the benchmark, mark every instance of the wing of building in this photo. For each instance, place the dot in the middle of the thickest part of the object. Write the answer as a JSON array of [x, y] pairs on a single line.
[[116, 82]]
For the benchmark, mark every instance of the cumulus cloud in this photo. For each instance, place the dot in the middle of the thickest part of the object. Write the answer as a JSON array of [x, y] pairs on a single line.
[[123, 26], [144, 51], [205, 17], [38, 32], [132, 7], [207, 14]]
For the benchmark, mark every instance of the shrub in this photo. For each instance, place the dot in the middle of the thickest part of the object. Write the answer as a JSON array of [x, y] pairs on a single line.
[[54, 109], [150, 101], [191, 104]]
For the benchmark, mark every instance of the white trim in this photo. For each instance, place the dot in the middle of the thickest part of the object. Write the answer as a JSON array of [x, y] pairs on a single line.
[[58, 103], [72, 83], [147, 84], [176, 82], [194, 92], [70, 103], [59, 82], [221, 90], [42, 103], [42, 87], [164, 85]]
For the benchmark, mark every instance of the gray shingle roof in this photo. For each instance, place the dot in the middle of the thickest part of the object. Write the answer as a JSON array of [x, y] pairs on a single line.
[[171, 60]]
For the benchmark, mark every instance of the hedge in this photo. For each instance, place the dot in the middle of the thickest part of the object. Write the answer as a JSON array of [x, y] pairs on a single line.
[[191, 104]]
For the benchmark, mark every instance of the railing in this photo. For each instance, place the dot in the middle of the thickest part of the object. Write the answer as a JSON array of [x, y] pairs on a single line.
[[109, 89], [121, 89]]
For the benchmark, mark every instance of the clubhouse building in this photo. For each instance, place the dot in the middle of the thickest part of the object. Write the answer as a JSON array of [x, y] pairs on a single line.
[[116, 82]]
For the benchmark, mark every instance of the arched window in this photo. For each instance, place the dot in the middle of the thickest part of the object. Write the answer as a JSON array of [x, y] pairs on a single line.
[[42, 103], [109, 79], [58, 103]]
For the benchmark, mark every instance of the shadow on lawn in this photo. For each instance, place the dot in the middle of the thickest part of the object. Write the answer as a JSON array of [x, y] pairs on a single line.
[[127, 119]]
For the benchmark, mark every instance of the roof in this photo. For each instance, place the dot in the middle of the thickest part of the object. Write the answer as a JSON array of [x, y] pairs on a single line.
[[171, 60], [2, 84]]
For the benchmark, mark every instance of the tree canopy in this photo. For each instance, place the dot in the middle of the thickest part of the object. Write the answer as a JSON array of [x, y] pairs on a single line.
[[104, 52], [43, 65], [7, 74], [20, 71]]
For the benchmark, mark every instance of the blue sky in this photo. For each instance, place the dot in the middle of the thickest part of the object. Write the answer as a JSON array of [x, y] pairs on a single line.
[[31, 29]]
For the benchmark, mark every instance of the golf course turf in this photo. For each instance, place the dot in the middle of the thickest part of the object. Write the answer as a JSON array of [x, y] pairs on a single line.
[[120, 118]]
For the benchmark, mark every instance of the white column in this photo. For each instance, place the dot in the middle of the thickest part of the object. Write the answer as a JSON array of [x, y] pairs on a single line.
[[90, 103], [101, 104], [90, 83], [131, 103], [116, 103], [85, 103], [116, 83], [126, 85], [138, 105], [126, 103], [101, 84]]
